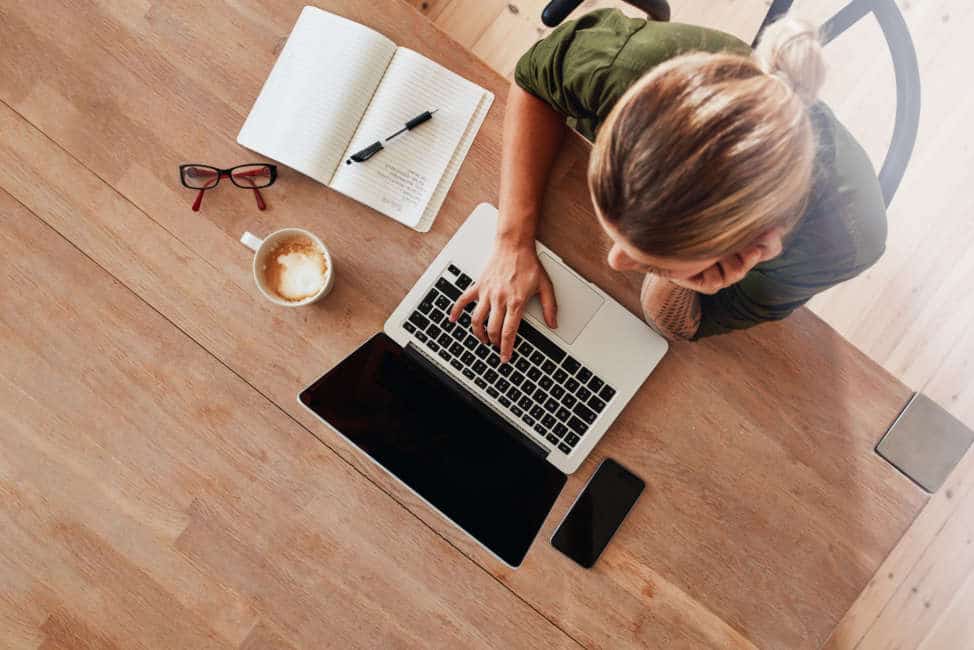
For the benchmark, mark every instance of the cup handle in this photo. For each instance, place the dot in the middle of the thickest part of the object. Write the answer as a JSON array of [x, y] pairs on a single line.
[[251, 241]]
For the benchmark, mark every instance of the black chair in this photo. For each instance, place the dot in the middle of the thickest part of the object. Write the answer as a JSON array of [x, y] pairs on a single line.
[[898, 41], [557, 10]]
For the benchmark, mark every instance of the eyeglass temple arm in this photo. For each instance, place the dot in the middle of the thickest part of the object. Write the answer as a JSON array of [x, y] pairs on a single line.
[[260, 200], [199, 196], [246, 176]]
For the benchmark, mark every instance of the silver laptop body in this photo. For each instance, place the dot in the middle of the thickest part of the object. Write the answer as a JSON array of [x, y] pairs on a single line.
[[564, 387]]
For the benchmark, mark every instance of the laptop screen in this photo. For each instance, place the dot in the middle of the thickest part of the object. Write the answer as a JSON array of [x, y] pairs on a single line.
[[426, 430]]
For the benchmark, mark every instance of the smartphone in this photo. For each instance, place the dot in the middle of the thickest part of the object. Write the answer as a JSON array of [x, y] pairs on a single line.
[[597, 513]]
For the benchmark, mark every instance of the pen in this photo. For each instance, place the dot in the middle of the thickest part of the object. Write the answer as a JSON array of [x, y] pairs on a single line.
[[376, 147]]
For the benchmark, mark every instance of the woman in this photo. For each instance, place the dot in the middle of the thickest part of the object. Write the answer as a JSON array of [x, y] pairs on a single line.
[[714, 171]]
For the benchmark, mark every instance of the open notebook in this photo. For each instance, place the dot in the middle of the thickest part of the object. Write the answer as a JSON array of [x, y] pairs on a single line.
[[339, 86]]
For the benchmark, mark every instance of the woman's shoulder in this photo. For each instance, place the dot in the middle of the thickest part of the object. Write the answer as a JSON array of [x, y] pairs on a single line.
[[844, 228], [638, 44], [656, 42], [585, 65]]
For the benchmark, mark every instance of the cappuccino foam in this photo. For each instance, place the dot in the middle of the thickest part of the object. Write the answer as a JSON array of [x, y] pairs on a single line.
[[295, 269]]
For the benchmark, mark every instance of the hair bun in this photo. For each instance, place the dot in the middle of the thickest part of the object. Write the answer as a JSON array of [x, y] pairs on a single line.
[[791, 49]]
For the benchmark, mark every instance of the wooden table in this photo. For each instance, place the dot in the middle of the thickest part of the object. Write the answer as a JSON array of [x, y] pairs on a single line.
[[160, 486]]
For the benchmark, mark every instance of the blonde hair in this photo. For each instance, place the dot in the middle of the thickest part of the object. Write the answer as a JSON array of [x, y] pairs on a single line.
[[708, 151]]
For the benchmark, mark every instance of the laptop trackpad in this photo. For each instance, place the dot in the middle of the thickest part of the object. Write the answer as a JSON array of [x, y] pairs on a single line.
[[577, 301]]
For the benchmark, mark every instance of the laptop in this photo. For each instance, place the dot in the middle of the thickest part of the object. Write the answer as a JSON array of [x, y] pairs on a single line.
[[486, 444]]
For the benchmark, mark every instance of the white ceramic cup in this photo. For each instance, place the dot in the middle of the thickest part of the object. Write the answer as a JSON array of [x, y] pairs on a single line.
[[263, 247]]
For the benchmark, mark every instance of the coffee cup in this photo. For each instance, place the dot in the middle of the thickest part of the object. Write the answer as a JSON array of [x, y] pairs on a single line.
[[292, 267]]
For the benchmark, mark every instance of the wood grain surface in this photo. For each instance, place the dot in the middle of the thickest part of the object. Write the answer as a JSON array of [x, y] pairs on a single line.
[[766, 511], [150, 495]]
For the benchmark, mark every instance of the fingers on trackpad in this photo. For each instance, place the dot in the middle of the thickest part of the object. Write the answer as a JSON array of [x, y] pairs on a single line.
[[577, 301]]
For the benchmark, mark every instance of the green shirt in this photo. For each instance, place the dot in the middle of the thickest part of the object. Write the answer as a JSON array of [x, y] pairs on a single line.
[[583, 67]]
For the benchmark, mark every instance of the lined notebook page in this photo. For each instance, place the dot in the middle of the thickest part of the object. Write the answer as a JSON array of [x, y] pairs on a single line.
[[443, 187], [401, 180], [320, 86]]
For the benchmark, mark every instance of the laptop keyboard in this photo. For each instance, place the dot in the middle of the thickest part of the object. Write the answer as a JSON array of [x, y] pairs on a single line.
[[554, 395]]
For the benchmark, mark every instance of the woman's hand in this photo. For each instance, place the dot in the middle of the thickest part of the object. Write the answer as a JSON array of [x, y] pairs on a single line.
[[512, 276], [732, 269], [533, 131]]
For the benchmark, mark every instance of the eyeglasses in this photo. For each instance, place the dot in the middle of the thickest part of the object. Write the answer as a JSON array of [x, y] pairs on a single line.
[[248, 177]]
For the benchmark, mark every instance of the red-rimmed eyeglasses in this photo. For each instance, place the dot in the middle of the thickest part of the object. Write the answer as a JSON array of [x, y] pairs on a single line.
[[249, 177]]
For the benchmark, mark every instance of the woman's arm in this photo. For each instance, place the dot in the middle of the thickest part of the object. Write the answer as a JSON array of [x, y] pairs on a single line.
[[671, 310], [673, 307], [533, 132]]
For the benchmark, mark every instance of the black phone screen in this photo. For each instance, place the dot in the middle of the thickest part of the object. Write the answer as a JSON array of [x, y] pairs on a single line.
[[598, 513]]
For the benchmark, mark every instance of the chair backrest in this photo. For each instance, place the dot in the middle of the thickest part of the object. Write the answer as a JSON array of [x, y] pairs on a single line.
[[905, 69], [557, 10]]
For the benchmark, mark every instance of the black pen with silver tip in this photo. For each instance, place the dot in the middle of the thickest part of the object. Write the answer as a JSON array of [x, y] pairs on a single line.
[[376, 147]]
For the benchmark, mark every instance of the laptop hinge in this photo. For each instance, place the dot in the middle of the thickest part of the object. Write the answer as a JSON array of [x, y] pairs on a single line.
[[462, 392]]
